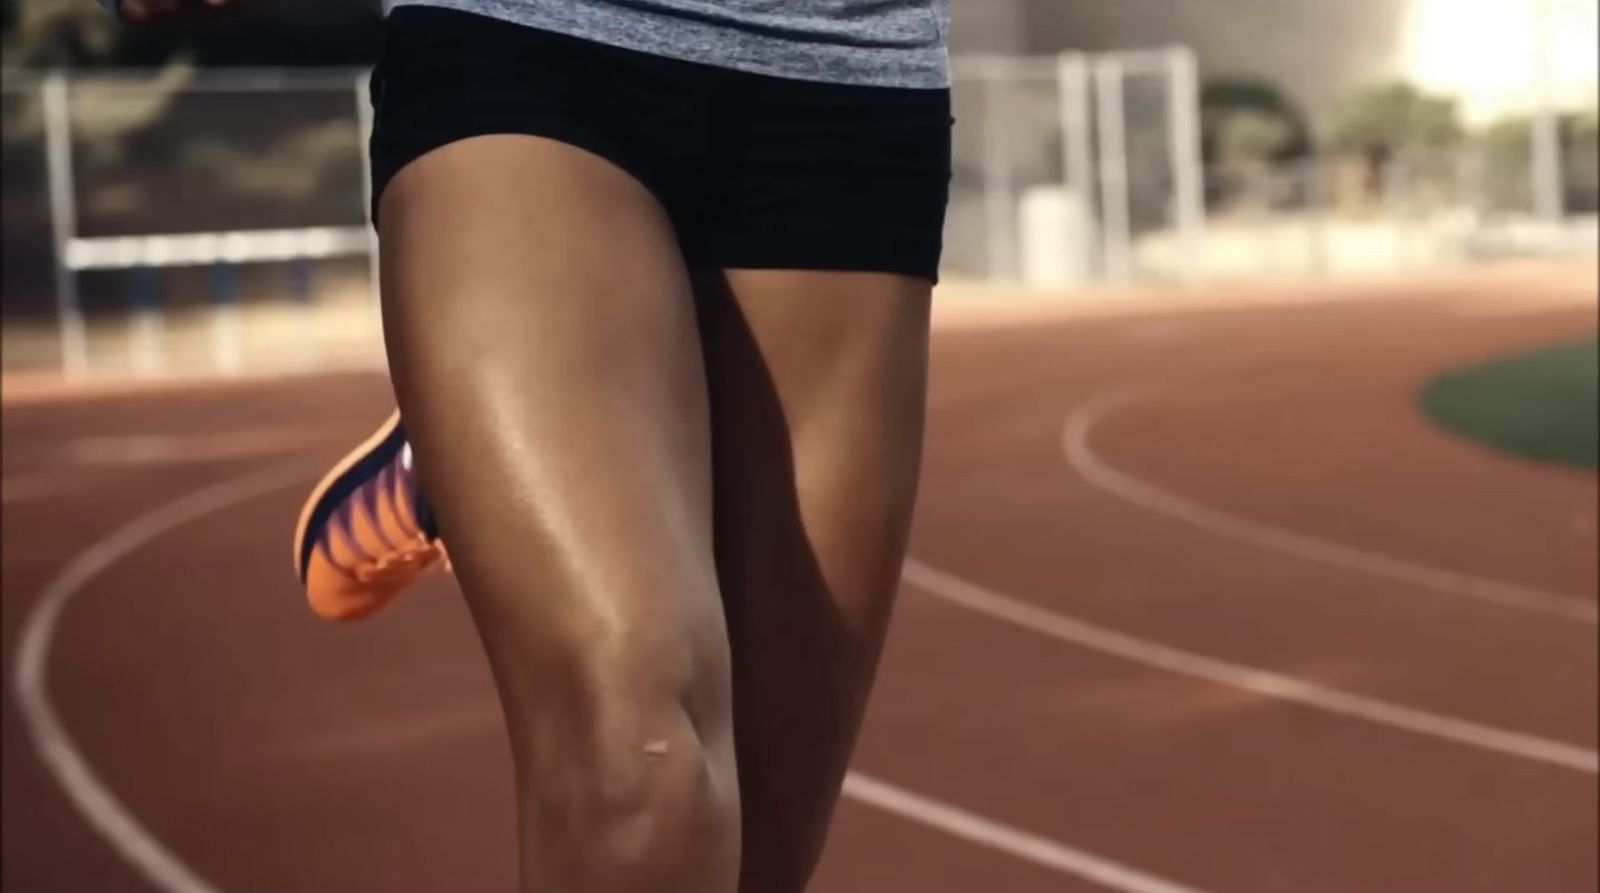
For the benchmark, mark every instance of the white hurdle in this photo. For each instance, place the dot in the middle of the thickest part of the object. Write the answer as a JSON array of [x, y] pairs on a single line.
[[147, 257], [223, 252]]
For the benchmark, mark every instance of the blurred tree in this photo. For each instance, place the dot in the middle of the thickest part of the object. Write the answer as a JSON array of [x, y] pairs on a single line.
[[1398, 117], [1380, 124], [1271, 122], [1248, 129], [57, 34], [1250, 136]]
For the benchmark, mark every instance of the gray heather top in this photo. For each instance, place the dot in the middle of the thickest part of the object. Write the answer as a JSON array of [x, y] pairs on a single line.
[[889, 43]]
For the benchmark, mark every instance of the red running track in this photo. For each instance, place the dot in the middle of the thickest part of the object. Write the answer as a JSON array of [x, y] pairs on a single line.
[[1199, 603]]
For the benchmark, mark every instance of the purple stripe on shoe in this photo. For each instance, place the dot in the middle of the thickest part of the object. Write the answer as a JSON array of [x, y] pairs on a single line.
[[343, 490], [341, 523], [370, 494]]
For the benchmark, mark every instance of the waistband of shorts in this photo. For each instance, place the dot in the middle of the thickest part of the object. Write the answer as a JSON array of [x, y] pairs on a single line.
[[923, 67]]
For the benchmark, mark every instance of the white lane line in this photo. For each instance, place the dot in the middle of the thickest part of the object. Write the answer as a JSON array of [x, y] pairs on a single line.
[[93, 799], [1011, 841], [1080, 455], [170, 874], [1262, 682], [88, 459]]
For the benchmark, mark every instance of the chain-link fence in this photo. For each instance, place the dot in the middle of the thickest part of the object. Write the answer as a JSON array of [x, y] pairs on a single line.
[[1482, 199], [184, 219], [1064, 163], [1079, 170], [180, 221]]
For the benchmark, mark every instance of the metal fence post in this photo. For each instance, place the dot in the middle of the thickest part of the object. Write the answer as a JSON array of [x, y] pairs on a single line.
[[147, 334], [1188, 164], [227, 328], [364, 117], [1077, 148], [1112, 125], [1546, 168], [63, 222], [999, 209]]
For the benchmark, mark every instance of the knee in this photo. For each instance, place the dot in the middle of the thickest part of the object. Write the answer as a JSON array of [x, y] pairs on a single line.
[[624, 732], [658, 693]]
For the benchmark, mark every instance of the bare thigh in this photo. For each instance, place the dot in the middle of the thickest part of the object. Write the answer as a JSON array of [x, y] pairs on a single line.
[[545, 355], [818, 384]]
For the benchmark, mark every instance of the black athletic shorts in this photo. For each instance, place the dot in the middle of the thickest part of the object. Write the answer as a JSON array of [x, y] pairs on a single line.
[[756, 172]]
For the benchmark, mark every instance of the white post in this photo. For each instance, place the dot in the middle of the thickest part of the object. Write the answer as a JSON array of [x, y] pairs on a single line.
[[64, 223], [227, 339], [1188, 164], [1397, 201], [147, 340], [1546, 172], [1546, 168], [1077, 150], [1112, 123], [999, 208], [227, 329], [364, 126], [147, 328], [1318, 232]]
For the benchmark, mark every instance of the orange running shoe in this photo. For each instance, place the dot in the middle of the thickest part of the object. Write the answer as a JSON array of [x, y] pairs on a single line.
[[365, 534]]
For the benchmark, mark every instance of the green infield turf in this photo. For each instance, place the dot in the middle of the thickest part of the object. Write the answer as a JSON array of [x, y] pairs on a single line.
[[1541, 405]]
